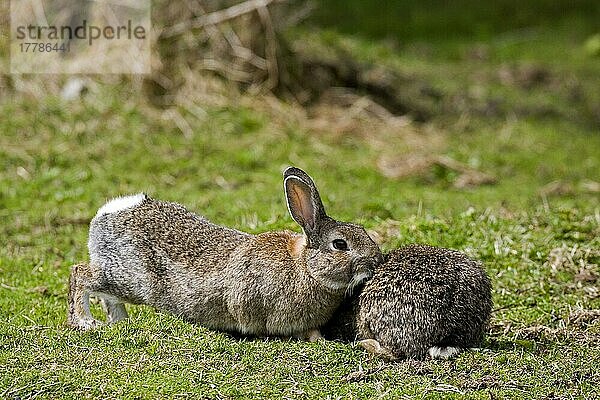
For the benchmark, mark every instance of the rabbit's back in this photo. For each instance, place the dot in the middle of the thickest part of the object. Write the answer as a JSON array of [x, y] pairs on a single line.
[[155, 226], [159, 253]]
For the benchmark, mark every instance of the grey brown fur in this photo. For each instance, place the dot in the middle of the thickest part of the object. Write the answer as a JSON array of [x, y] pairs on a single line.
[[275, 283], [422, 301]]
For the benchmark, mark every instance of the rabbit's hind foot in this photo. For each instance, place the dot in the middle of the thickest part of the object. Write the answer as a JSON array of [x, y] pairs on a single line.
[[374, 347], [78, 314]]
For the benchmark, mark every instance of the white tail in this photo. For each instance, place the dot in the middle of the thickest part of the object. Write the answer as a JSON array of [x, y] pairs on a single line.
[[443, 352], [121, 203]]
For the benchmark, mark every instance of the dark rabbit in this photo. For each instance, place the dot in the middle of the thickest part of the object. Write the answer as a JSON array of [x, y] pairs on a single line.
[[422, 301], [146, 251]]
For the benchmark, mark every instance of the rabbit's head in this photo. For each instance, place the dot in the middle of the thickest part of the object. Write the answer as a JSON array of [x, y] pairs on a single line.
[[339, 255]]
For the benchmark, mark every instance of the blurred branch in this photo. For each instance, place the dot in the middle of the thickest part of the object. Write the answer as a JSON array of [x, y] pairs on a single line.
[[239, 50], [222, 35], [227, 69], [300, 14], [244, 51], [271, 47], [213, 32], [218, 17]]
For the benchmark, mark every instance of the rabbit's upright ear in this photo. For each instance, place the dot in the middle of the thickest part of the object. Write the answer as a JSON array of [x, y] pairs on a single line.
[[303, 200]]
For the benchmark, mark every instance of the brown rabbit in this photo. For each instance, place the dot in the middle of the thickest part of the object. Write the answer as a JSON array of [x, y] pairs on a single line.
[[146, 251]]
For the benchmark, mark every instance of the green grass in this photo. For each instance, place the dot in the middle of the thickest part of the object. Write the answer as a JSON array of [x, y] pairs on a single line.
[[60, 161]]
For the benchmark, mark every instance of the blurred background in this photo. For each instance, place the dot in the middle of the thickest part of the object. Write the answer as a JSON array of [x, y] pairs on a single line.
[[398, 107], [465, 124]]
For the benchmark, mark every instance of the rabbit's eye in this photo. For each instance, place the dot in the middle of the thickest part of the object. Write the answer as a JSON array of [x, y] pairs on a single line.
[[340, 244]]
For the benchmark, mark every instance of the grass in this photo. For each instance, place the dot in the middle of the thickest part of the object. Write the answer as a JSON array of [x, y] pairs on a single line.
[[537, 230]]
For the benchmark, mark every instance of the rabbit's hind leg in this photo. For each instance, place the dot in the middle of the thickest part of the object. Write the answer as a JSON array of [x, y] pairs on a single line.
[[78, 315], [113, 307], [374, 347]]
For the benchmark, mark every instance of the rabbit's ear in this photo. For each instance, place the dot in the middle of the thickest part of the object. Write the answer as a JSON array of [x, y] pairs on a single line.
[[304, 202]]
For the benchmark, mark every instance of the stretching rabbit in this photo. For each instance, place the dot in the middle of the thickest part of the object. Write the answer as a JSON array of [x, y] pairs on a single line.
[[422, 300], [146, 251]]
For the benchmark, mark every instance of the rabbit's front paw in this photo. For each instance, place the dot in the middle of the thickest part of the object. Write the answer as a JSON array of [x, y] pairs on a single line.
[[313, 335]]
